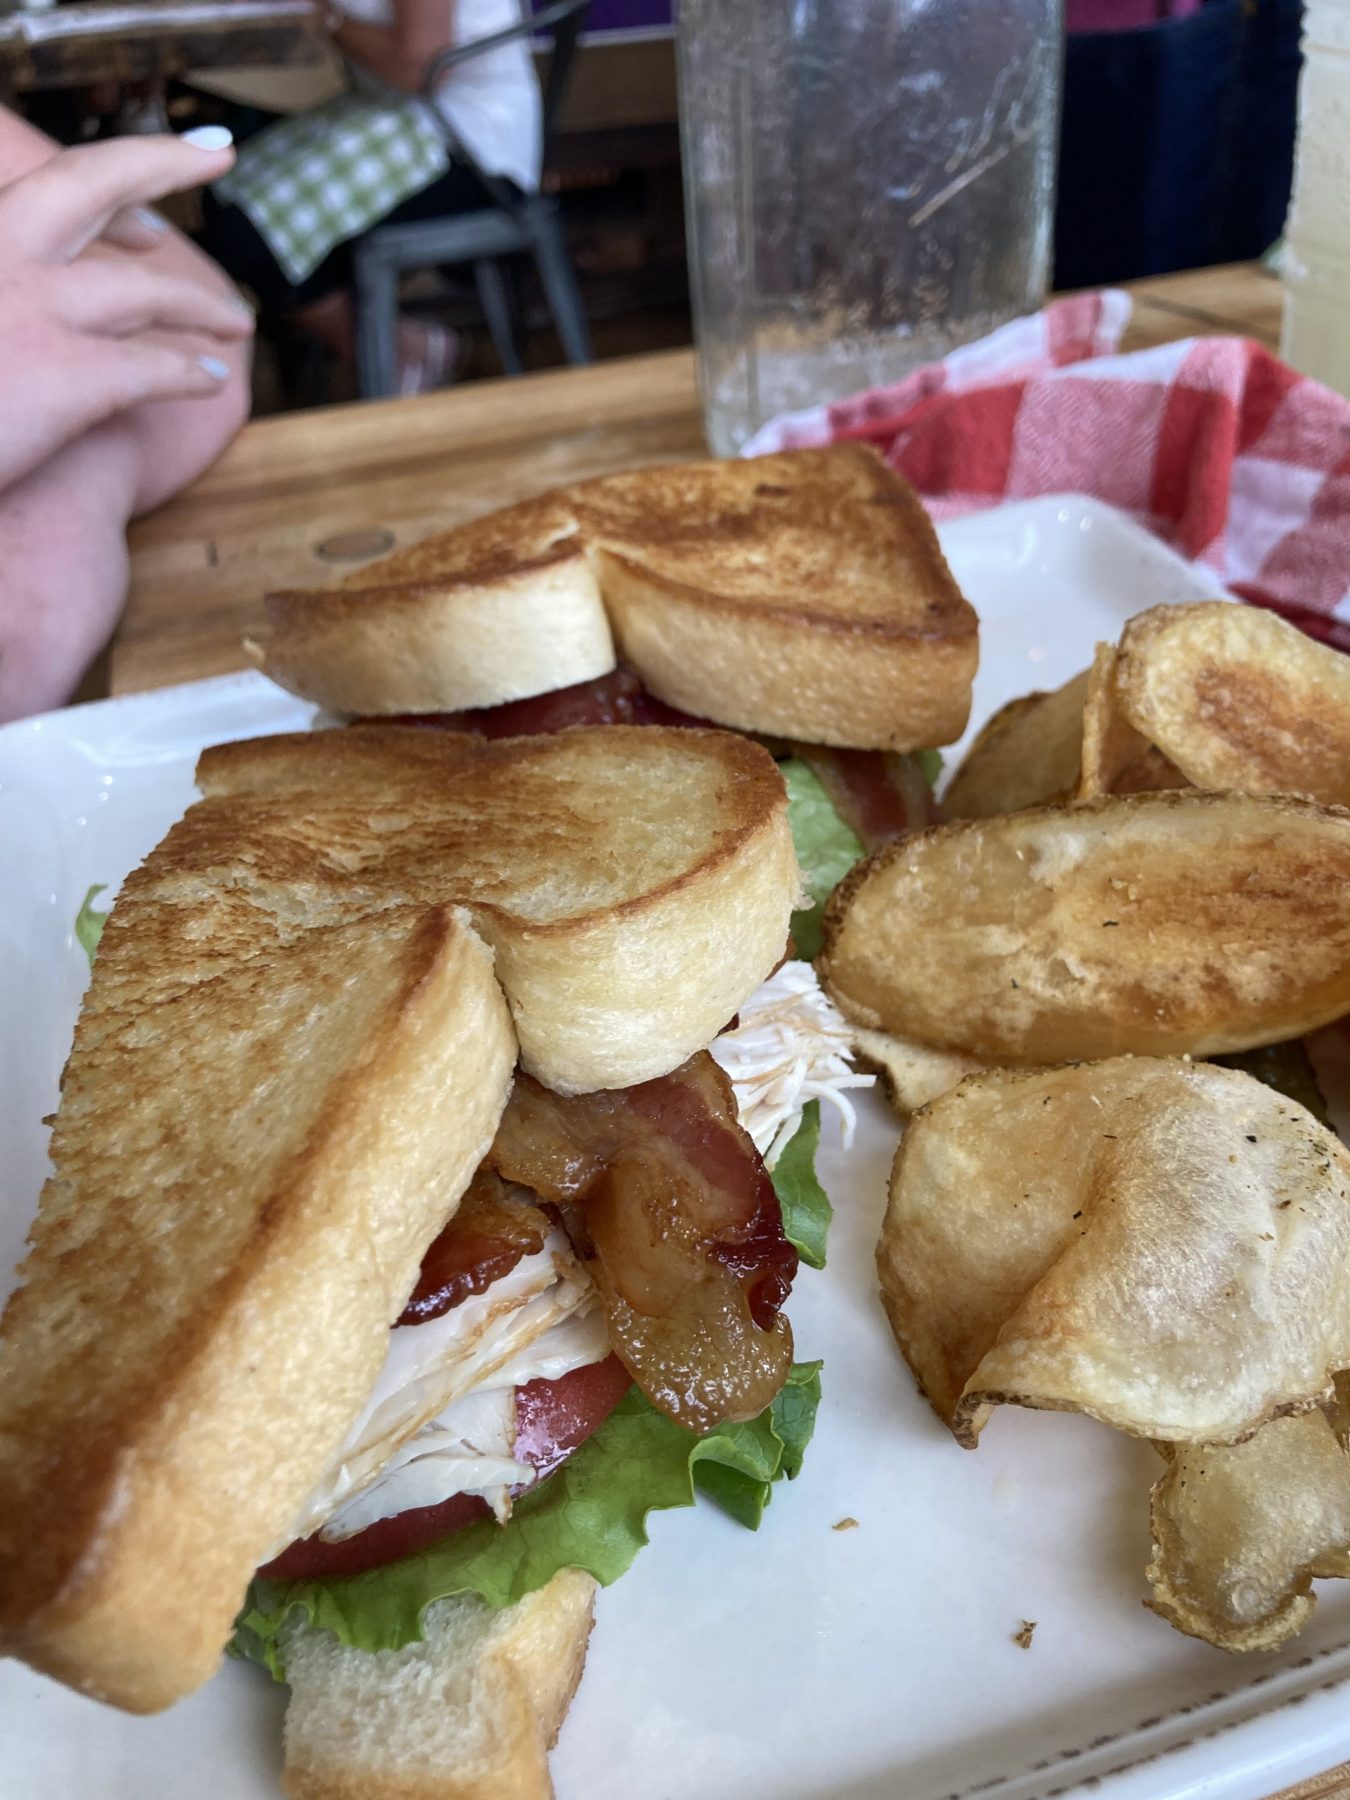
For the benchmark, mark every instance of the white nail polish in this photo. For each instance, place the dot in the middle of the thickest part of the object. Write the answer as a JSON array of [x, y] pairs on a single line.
[[214, 367], [150, 219], [209, 137]]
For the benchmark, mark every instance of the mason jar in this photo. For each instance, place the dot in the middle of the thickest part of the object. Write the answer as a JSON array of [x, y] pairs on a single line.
[[868, 183]]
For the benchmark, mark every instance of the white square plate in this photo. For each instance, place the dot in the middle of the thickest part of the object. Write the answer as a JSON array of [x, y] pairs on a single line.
[[802, 1661]]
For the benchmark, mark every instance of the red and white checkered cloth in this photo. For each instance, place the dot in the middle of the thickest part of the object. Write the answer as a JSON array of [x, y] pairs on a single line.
[[1221, 449]]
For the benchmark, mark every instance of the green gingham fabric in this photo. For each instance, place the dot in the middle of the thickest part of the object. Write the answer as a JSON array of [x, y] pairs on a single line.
[[310, 182]]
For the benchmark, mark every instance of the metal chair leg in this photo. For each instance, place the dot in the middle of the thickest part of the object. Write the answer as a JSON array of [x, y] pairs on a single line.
[[560, 287], [494, 299], [376, 324]]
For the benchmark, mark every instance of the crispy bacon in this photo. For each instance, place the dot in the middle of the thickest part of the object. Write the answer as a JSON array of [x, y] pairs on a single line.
[[668, 1201], [618, 698], [489, 1233], [879, 794], [697, 1114]]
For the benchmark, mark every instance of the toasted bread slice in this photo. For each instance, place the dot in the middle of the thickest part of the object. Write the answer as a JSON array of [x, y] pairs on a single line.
[[248, 1169], [635, 883], [294, 1052], [470, 1713], [498, 609], [803, 595]]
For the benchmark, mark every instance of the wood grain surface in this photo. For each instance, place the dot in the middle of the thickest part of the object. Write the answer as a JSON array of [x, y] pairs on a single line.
[[295, 498], [299, 499]]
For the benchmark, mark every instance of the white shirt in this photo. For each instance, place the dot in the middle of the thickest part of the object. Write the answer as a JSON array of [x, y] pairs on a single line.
[[491, 102]]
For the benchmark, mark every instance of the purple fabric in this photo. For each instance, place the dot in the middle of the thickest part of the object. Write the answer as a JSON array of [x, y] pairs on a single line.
[[1124, 15], [626, 15]]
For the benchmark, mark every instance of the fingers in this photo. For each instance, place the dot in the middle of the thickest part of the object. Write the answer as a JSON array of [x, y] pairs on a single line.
[[99, 378], [136, 371], [136, 228], [114, 298], [54, 212]]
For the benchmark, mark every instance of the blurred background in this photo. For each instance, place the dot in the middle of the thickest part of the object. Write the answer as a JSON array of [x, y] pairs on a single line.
[[1175, 150]]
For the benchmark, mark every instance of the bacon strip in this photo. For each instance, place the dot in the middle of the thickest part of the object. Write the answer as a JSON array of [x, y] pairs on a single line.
[[489, 1234], [618, 698], [879, 794], [696, 1111], [668, 1201]]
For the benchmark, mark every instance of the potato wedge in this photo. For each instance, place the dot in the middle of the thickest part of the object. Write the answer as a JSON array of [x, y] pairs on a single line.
[[1116, 759], [1238, 698], [1109, 742], [1074, 743], [911, 1074], [1161, 1244], [1240, 1532], [1149, 923], [1027, 754]]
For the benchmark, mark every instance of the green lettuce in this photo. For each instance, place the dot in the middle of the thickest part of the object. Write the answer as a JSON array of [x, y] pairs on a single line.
[[590, 1515], [805, 1204], [89, 923], [826, 849], [930, 761]]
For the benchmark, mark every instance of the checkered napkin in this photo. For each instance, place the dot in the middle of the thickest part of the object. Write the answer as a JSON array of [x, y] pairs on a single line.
[[310, 182], [1213, 443]]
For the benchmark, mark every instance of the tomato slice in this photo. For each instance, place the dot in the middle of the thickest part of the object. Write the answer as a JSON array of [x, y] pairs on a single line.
[[553, 1418]]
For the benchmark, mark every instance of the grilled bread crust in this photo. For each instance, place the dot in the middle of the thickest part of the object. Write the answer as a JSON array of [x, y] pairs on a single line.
[[635, 884], [437, 644], [470, 1713], [295, 1049], [801, 595], [248, 1168]]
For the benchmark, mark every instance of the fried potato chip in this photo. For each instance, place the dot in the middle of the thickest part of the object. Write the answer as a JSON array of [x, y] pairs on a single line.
[[1117, 759], [1028, 753], [1151, 923], [1074, 743], [911, 1074], [1161, 1244], [1240, 1532], [1109, 742], [1239, 698]]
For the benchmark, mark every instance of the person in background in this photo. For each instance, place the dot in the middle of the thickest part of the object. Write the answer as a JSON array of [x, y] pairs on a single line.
[[124, 371], [284, 220]]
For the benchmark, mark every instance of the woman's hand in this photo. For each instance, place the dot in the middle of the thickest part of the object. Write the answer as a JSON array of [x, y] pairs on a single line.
[[86, 337]]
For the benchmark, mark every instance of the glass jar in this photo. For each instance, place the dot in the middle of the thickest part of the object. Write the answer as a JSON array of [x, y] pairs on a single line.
[[868, 183]]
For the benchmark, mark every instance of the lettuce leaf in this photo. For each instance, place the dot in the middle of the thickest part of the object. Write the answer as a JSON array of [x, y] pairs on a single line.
[[805, 1204], [826, 849], [930, 761], [89, 923], [590, 1515]]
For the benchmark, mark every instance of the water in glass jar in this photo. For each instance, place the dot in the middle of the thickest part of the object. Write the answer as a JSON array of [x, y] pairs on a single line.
[[867, 184]]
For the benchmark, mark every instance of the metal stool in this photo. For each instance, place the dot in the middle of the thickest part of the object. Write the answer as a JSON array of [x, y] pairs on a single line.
[[519, 224]]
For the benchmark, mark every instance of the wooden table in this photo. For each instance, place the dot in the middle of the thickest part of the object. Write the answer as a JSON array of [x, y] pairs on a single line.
[[298, 499]]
